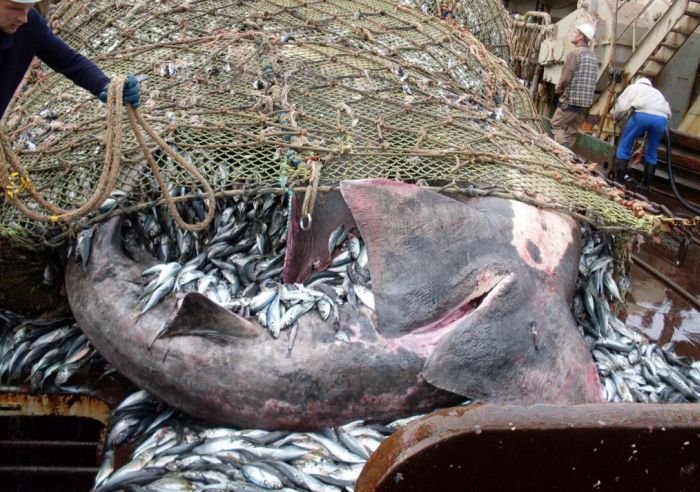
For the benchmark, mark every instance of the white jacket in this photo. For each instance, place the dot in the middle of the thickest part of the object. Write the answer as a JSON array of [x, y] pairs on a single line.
[[643, 98]]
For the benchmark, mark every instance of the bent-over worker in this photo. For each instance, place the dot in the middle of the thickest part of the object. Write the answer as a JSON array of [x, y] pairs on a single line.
[[651, 113], [576, 86], [25, 34]]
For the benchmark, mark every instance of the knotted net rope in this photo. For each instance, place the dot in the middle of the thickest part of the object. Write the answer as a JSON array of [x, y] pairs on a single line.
[[11, 168], [108, 176], [487, 20]]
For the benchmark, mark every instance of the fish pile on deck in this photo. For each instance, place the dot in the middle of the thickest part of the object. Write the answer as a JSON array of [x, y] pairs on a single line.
[[45, 353], [238, 264], [174, 452], [631, 367]]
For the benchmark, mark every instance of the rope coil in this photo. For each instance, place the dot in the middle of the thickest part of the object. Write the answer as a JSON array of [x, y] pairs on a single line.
[[110, 169], [107, 179]]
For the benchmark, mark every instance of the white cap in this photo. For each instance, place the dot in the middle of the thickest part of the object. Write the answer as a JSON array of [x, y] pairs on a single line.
[[25, 1], [643, 80], [587, 30]]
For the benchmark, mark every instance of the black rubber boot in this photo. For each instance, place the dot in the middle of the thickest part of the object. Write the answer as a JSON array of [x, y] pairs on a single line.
[[621, 170], [649, 171]]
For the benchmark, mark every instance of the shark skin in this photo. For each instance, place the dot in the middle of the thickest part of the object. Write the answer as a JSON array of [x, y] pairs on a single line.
[[499, 273], [472, 301]]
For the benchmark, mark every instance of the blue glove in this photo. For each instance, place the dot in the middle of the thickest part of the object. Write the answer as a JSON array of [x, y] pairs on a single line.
[[131, 94]]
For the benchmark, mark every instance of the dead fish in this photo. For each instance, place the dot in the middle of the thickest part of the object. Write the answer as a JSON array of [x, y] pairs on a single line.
[[84, 246]]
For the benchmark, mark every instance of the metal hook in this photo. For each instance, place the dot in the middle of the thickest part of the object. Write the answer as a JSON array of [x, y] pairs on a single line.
[[308, 222]]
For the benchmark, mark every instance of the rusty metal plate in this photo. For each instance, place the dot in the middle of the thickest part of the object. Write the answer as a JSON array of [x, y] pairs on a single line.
[[542, 447], [25, 404]]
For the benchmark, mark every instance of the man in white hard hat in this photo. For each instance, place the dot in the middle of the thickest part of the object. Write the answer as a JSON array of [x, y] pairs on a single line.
[[576, 86], [24, 34], [651, 113]]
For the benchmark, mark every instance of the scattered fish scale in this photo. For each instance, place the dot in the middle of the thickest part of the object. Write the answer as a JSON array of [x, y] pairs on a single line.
[[238, 264], [630, 366]]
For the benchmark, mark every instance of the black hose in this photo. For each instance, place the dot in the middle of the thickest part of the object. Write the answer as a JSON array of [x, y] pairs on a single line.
[[672, 180]]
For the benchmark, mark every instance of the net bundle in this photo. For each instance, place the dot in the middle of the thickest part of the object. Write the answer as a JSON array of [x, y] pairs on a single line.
[[487, 20], [265, 95]]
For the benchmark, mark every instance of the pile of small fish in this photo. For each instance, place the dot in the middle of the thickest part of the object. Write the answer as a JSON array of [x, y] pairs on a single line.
[[38, 353], [238, 263], [174, 452], [631, 367]]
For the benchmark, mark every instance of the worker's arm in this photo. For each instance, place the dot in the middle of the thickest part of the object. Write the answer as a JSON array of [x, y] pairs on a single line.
[[63, 59], [567, 72], [622, 104], [669, 114]]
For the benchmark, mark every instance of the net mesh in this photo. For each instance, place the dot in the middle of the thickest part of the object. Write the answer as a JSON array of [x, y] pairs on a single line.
[[248, 92], [487, 20]]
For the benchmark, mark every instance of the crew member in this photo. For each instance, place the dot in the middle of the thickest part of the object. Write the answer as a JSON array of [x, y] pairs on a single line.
[[25, 34], [650, 115], [576, 86]]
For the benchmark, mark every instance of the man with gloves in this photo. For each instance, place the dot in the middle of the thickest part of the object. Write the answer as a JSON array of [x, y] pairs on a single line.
[[24, 34], [650, 115]]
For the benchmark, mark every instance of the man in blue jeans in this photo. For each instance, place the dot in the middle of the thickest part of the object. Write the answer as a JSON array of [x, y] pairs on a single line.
[[24, 34], [650, 115]]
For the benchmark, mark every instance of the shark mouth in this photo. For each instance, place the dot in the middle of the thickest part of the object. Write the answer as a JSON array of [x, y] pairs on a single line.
[[254, 261], [314, 255], [486, 290], [425, 339]]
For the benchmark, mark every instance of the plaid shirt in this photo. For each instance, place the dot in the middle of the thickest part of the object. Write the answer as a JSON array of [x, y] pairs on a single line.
[[578, 77]]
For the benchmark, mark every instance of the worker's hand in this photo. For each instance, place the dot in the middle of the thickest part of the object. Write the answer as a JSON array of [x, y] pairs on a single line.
[[621, 115], [131, 94]]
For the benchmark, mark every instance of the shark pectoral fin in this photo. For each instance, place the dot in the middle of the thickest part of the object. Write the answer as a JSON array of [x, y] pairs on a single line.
[[531, 355], [450, 367], [199, 316]]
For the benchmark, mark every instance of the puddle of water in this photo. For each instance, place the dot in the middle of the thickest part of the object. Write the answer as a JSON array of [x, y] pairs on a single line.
[[655, 308], [662, 315]]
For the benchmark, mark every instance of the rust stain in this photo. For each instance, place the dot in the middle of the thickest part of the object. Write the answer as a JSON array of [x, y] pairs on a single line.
[[24, 404]]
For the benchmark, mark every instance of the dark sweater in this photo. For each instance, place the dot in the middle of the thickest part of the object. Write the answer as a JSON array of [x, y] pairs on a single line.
[[35, 38]]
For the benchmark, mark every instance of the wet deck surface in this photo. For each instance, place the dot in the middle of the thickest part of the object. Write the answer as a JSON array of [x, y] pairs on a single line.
[[656, 308]]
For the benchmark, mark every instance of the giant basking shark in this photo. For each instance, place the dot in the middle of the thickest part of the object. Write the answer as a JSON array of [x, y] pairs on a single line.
[[472, 301]]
